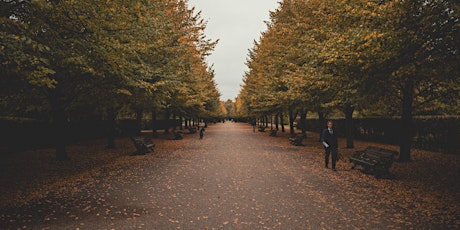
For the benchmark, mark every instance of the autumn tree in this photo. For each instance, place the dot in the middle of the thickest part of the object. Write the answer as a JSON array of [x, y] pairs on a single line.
[[66, 57], [348, 55], [419, 68], [229, 104]]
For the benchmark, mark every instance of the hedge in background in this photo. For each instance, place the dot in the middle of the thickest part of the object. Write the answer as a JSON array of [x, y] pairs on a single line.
[[24, 134]]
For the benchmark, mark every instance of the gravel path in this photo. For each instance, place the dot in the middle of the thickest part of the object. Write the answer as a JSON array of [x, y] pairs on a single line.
[[232, 179]]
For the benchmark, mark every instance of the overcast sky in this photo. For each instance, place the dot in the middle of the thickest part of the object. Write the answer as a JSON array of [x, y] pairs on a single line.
[[236, 23]]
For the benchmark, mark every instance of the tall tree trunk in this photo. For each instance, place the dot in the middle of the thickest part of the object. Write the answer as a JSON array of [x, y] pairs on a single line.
[[349, 129], [60, 127], [322, 122], [271, 121], [303, 122], [111, 127], [173, 122], [282, 121], [154, 122], [292, 117], [406, 121], [277, 121], [266, 121], [167, 115], [139, 113]]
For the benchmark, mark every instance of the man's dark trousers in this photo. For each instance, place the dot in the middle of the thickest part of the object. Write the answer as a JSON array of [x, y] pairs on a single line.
[[330, 150]]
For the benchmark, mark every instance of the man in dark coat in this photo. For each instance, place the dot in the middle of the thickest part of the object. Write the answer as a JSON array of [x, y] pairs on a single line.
[[331, 145]]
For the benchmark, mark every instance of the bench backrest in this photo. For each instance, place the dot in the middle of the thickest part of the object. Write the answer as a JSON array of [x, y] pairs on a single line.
[[384, 156], [141, 140], [381, 152]]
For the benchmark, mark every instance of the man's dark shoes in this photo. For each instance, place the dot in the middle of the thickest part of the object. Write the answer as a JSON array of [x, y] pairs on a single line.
[[334, 169]]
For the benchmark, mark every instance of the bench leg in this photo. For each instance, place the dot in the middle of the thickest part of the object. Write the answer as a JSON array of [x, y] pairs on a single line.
[[135, 153], [384, 173], [141, 151]]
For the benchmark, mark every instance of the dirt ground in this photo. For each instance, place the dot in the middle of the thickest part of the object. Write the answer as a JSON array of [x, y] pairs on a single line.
[[232, 179]]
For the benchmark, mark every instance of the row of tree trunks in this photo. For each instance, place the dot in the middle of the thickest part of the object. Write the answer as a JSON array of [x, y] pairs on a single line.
[[348, 110], [60, 124]]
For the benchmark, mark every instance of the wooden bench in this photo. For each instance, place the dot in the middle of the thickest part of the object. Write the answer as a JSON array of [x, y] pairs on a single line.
[[297, 140], [374, 160], [273, 132], [143, 145], [178, 135], [261, 128]]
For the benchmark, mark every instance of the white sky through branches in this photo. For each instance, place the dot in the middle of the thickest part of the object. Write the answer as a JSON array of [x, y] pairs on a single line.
[[236, 23]]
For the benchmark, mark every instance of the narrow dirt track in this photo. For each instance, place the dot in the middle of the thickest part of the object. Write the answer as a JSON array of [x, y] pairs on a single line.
[[232, 179]]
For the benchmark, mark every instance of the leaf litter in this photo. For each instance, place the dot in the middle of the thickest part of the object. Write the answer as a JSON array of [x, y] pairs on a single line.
[[422, 188]]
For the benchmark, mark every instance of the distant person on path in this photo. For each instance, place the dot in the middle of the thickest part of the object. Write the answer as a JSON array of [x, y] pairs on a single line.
[[201, 132], [331, 145], [253, 124]]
